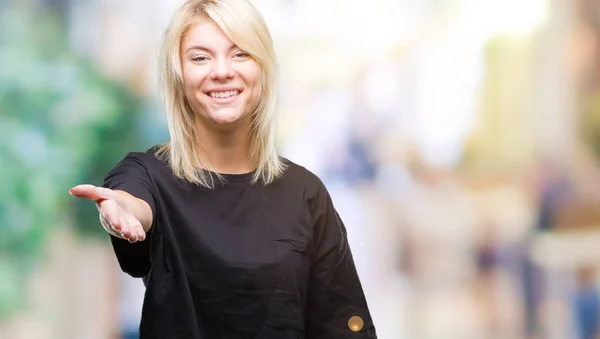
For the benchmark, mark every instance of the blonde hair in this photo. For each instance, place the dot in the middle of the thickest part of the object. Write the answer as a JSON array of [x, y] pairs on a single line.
[[245, 27]]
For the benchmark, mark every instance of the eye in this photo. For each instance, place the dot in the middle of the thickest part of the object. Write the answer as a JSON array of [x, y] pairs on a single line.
[[241, 55], [199, 58]]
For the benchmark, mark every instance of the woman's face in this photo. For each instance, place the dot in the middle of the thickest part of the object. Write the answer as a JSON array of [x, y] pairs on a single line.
[[221, 82]]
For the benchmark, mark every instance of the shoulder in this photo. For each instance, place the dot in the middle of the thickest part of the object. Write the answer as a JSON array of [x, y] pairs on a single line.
[[300, 176], [297, 172], [153, 156], [148, 160]]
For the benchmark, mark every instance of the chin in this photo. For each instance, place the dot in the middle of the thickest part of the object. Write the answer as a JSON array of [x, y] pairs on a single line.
[[226, 118]]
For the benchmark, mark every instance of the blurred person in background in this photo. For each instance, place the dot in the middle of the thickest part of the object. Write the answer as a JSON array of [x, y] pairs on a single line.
[[586, 304], [487, 267], [552, 190], [231, 240]]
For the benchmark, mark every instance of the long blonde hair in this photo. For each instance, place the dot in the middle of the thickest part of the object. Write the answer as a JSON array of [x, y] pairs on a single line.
[[245, 27]]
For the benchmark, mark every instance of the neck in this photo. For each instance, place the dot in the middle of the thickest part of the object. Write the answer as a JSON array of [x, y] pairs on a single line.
[[228, 151]]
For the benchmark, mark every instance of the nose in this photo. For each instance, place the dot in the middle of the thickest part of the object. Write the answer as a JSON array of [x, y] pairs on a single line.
[[222, 69]]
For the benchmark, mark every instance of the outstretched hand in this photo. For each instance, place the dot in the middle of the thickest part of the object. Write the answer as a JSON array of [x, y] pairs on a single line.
[[116, 219]]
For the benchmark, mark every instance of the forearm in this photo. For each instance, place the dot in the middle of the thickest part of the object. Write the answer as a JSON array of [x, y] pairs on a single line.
[[140, 209]]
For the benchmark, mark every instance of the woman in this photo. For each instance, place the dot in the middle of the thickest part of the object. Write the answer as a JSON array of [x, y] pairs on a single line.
[[232, 240]]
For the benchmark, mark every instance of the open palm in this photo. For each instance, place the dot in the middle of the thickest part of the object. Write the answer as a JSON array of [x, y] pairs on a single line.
[[116, 219]]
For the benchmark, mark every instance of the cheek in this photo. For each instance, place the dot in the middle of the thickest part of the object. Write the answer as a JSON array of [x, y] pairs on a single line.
[[192, 79], [188, 87], [188, 84], [255, 81], [251, 75]]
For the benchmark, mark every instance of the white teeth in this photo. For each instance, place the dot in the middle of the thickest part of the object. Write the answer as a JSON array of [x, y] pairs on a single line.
[[224, 94]]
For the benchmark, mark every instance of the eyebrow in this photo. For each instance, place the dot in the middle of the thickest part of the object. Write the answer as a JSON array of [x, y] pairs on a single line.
[[206, 49]]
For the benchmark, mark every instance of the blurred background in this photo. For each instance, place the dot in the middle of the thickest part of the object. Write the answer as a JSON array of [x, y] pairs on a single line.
[[459, 138]]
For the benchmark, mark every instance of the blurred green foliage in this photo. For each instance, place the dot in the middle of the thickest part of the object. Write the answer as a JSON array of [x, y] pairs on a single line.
[[61, 123]]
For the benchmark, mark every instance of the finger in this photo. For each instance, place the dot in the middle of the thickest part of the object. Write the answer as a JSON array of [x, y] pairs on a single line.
[[136, 231], [85, 191], [108, 226], [133, 234], [94, 193], [125, 228], [110, 211], [133, 228], [107, 193], [141, 235]]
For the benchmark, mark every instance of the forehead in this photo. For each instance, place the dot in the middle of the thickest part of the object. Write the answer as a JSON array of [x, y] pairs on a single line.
[[205, 32]]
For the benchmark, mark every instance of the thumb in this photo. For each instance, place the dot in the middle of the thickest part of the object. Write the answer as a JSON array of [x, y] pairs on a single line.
[[91, 192]]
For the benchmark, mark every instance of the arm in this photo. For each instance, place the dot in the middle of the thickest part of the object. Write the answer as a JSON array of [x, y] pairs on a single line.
[[335, 293], [127, 204]]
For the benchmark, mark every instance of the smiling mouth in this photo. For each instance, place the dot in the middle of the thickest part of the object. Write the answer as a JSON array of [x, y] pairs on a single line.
[[224, 94]]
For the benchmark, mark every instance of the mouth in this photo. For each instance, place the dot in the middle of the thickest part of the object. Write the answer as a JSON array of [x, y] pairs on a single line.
[[224, 94]]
